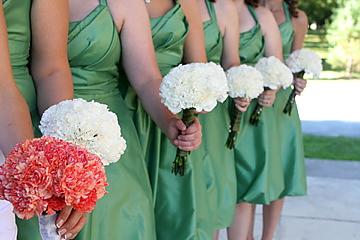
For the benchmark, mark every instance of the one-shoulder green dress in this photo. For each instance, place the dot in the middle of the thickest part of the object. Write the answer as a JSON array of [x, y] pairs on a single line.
[[17, 15], [94, 50], [289, 127], [220, 175], [175, 203], [257, 151]]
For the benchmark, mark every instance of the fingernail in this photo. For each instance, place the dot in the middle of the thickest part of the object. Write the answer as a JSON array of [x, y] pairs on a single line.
[[60, 223], [68, 236], [62, 231]]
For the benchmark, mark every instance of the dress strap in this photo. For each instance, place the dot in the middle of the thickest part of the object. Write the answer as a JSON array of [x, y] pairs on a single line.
[[286, 11], [253, 13], [104, 2], [211, 10]]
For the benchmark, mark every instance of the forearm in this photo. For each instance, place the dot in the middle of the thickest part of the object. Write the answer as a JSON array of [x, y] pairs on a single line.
[[53, 89], [15, 121]]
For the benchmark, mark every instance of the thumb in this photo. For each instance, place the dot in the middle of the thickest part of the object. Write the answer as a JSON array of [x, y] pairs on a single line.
[[180, 125]]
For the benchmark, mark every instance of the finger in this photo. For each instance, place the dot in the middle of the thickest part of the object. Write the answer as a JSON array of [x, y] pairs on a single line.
[[180, 125], [187, 146], [188, 137], [63, 216], [77, 228], [71, 222], [195, 127]]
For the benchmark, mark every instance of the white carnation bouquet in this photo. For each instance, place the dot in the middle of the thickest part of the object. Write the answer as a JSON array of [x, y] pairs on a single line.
[[300, 62], [192, 88], [87, 124], [276, 75], [245, 82]]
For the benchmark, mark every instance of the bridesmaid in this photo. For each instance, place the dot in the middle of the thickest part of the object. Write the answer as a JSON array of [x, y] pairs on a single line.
[[257, 152], [47, 81], [293, 26], [15, 124], [178, 38], [104, 35], [220, 24]]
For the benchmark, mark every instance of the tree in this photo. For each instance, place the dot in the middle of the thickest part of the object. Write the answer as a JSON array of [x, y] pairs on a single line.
[[344, 37], [319, 11]]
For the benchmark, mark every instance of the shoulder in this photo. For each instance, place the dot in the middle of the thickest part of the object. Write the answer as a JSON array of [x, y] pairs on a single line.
[[265, 17], [300, 22], [226, 9]]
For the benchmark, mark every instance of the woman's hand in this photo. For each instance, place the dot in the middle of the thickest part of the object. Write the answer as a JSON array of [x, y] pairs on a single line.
[[299, 85], [70, 222], [187, 139], [242, 104], [267, 98]]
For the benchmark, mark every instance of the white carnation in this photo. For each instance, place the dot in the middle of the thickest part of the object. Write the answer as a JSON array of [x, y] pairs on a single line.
[[245, 81], [87, 124], [276, 74], [195, 85], [305, 60]]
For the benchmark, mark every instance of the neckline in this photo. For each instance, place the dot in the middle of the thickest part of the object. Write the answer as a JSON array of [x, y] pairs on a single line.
[[95, 10], [285, 11], [167, 13], [253, 14]]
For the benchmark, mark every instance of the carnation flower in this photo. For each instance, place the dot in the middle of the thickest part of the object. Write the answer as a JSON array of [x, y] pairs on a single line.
[[36, 179], [87, 124], [245, 81], [275, 73], [305, 60], [195, 85]]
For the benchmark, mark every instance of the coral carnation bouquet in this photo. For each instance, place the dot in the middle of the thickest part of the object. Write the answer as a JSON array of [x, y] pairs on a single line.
[[192, 88], [300, 62], [42, 176]]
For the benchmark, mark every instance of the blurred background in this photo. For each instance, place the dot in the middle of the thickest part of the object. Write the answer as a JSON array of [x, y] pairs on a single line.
[[329, 110]]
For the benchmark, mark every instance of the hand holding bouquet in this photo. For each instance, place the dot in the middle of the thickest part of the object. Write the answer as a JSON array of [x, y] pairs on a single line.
[[192, 88], [276, 75], [244, 82], [300, 62], [42, 176]]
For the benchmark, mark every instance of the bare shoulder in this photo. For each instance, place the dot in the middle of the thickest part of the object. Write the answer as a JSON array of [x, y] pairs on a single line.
[[225, 5], [264, 14], [300, 22]]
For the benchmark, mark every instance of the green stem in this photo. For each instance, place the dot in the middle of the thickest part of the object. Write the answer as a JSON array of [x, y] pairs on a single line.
[[234, 128], [179, 164], [291, 101]]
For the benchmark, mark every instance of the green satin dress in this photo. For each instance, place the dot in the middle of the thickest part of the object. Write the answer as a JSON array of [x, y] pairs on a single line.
[[289, 127], [126, 212], [17, 15], [218, 161], [258, 166], [175, 203]]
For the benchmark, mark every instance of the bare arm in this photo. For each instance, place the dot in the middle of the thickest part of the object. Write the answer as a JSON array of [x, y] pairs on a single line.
[[194, 48], [15, 123], [271, 32], [49, 63], [301, 27]]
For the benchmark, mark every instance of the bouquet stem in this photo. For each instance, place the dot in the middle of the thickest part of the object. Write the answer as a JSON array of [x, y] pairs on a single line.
[[234, 128], [255, 116], [179, 164], [291, 101], [48, 228]]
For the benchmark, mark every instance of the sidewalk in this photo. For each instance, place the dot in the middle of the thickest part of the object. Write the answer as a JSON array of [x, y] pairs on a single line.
[[331, 211]]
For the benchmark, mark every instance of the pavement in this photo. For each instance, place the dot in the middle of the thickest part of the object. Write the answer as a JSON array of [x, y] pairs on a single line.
[[331, 210]]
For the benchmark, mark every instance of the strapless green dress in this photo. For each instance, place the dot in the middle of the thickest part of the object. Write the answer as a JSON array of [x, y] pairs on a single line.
[[17, 15], [218, 162], [258, 166], [289, 127]]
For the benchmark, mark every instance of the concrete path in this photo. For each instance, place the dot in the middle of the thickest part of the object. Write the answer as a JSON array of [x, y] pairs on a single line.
[[331, 211], [331, 108]]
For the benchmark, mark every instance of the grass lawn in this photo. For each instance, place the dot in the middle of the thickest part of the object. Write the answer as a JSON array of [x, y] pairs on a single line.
[[337, 148], [316, 41]]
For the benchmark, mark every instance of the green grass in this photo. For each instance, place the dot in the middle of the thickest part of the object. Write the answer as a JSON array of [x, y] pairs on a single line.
[[316, 41], [336, 148]]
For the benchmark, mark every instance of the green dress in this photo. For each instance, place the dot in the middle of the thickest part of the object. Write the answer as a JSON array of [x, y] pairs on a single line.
[[126, 212], [175, 203], [218, 161], [289, 127], [258, 167], [17, 15]]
